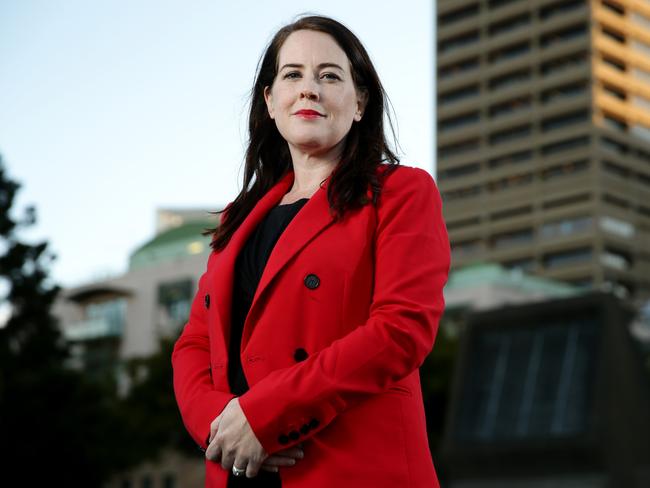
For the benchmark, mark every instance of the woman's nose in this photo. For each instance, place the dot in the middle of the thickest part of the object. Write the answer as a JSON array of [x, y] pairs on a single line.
[[309, 90]]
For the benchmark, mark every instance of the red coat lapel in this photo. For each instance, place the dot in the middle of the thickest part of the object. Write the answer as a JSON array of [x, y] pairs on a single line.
[[312, 219]]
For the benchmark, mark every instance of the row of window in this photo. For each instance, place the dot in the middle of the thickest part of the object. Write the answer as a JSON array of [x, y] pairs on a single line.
[[514, 105], [610, 257], [544, 13], [549, 173], [517, 180], [508, 79], [623, 150], [565, 226], [552, 172], [515, 133], [510, 51]]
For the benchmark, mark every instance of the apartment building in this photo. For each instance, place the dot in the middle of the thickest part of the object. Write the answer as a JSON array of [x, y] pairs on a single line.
[[543, 137]]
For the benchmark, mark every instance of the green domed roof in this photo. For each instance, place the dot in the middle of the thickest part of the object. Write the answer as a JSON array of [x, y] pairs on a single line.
[[181, 241]]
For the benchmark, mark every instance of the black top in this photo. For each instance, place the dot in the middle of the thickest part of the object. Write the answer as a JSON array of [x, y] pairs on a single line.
[[248, 272]]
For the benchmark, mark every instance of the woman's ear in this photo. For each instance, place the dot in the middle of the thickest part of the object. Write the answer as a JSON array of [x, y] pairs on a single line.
[[268, 98], [362, 101]]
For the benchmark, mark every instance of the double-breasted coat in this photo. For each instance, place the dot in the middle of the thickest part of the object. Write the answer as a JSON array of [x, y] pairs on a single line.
[[343, 316]]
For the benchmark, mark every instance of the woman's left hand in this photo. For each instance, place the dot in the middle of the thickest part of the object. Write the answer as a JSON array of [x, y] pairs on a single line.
[[233, 441]]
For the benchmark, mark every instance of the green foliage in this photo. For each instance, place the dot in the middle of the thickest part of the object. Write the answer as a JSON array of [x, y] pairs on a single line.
[[56, 427], [150, 407]]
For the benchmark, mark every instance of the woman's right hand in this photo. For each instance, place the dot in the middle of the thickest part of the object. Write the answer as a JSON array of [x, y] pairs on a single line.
[[286, 457]]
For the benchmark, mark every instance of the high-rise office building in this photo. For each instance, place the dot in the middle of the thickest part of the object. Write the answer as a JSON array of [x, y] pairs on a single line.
[[543, 137]]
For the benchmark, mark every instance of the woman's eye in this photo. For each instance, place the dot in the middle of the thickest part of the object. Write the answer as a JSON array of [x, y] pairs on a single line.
[[292, 74], [331, 76]]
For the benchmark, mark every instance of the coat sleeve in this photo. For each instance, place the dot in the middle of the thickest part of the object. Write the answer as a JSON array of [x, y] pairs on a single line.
[[199, 403], [412, 260]]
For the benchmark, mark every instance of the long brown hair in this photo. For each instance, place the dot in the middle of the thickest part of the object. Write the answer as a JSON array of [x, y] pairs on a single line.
[[268, 157]]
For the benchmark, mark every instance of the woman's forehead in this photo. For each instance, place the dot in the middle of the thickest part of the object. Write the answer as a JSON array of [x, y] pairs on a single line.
[[313, 48]]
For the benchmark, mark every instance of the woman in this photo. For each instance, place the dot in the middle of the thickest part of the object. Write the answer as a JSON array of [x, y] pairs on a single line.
[[298, 366]]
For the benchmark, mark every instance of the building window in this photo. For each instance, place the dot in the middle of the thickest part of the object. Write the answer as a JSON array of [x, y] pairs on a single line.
[[614, 122], [564, 120], [566, 169], [457, 42], [458, 121], [564, 62], [512, 181], [511, 159], [613, 34], [110, 312], [511, 213], [470, 191], [559, 8], [564, 35], [457, 68], [617, 227], [616, 201], [458, 15], [460, 171], [615, 91], [616, 258], [500, 3], [174, 302], [458, 94], [570, 257], [513, 238], [509, 24], [565, 145], [511, 106], [615, 169], [462, 223], [457, 148], [564, 91], [566, 227], [510, 134], [613, 7], [566, 201], [509, 52], [613, 146], [617, 64], [512, 78]]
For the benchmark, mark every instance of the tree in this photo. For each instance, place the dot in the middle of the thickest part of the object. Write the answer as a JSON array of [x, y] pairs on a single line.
[[56, 427]]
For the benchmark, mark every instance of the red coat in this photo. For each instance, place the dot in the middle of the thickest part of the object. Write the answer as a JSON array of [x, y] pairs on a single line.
[[343, 316]]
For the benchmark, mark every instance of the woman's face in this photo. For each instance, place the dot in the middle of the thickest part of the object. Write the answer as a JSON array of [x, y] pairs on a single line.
[[314, 75]]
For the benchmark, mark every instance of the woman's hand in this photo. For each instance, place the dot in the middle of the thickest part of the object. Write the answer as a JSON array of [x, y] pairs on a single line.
[[286, 457], [233, 442]]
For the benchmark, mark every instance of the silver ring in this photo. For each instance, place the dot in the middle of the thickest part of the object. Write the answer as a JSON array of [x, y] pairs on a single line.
[[238, 471]]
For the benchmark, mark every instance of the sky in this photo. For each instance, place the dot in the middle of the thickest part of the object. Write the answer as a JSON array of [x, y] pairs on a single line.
[[112, 109]]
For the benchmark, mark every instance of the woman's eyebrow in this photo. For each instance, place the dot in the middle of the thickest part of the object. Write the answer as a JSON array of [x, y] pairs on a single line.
[[320, 66]]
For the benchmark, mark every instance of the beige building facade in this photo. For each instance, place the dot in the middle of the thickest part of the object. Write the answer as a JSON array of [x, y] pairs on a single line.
[[543, 137]]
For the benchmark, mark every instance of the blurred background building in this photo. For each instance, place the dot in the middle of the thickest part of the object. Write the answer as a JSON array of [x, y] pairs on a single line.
[[543, 150], [543, 160], [112, 320]]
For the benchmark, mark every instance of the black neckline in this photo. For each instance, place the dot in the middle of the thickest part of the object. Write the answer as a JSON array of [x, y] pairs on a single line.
[[292, 203]]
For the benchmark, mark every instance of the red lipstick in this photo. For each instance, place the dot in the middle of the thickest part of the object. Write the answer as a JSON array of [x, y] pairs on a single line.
[[308, 114]]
